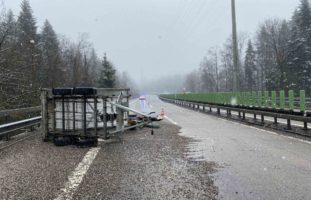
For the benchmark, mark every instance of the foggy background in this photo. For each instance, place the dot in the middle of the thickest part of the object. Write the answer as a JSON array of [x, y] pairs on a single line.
[[151, 39]]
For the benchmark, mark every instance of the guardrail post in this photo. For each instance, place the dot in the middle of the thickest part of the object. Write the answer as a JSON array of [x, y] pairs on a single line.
[[7, 136], [305, 126], [289, 127]]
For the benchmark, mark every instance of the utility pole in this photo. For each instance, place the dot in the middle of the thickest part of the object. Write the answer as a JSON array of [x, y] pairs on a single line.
[[235, 50]]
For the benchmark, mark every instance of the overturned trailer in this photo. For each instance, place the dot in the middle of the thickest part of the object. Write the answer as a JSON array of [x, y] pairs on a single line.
[[82, 115]]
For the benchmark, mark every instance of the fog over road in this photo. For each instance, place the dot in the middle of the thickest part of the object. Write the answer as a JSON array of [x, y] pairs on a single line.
[[253, 163]]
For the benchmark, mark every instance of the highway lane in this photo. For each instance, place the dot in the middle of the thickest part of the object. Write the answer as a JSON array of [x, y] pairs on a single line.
[[33, 169], [251, 163], [141, 166], [254, 163]]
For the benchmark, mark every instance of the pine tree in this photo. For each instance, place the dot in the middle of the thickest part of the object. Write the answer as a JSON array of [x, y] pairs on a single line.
[[250, 67], [26, 25], [7, 31], [107, 77], [8, 72], [272, 55], [28, 55], [300, 48], [50, 73]]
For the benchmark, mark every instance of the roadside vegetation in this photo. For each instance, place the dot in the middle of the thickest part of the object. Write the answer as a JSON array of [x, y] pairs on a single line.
[[33, 57], [277, 57]]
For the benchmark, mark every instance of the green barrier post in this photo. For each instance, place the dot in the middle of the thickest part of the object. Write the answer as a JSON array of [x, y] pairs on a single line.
[[273, 99], [243, 98], [291, 100], [282, 99], [259, 98], [254, 97], [302, 100], [266, 99]]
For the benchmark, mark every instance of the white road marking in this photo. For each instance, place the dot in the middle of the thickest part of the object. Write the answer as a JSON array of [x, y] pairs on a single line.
[[274, 133], [76, 177], [169, 119]]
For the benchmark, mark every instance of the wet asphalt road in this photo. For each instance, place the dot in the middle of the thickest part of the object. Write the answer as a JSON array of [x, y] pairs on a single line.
[[148, 167], [142, 166], [215, 157], [254, 164], [33, 169]]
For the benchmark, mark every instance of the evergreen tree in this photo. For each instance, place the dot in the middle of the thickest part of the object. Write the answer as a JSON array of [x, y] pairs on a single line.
[[28, 54], [107, 77], [50, 73], [27, 28], [7, 30], [272, 55], [300, 48], [250, 67], [8, 73]]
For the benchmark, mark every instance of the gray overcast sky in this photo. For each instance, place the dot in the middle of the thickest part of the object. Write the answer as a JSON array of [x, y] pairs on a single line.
[[152, 38]]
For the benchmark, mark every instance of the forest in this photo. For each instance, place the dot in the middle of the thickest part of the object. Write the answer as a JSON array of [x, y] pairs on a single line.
[[33, 57], [277, 57]]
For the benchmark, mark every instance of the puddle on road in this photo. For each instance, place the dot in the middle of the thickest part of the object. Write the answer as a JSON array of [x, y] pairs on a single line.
[[201, 148]]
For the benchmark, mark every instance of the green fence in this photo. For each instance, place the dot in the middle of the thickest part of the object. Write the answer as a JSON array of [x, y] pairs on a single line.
[[263, 99]]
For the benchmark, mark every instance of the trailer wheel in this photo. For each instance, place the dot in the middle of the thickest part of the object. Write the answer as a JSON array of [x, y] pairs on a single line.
[[62, 141]]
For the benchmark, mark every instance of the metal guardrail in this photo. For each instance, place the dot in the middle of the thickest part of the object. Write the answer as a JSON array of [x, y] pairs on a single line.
[[13, 128], [261, 99], [300, 117], [7, 129]]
